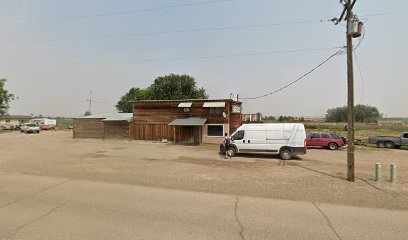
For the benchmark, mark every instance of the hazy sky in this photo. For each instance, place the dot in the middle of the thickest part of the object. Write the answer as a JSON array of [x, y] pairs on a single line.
[[53, 52]]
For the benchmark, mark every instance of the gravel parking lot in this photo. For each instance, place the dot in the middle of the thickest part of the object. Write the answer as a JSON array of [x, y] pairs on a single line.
[[318, 176]]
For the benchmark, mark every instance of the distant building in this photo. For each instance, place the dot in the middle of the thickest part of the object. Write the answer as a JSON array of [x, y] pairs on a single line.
[[314, 118], [14, 120], [254, 118]]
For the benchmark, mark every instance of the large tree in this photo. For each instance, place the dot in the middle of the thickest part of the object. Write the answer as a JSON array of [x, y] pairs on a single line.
[[5, 98], [169, 87], [174, 87], [133, 94], [363, 113]]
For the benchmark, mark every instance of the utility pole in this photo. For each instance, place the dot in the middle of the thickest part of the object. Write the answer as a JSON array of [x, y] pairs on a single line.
[[90, 101], [350, 94], [353, 29]]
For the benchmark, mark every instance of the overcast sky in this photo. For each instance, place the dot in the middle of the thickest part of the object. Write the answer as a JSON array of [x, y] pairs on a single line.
[[53, 52]]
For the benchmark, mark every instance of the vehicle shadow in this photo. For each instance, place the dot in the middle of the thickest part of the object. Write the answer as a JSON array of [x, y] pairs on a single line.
[[264, 156]]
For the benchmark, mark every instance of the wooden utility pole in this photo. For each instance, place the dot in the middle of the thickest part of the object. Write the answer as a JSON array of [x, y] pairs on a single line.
[[350, 91]]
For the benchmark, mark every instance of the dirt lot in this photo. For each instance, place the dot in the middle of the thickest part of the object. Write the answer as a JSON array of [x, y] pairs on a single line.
[[317, 176]]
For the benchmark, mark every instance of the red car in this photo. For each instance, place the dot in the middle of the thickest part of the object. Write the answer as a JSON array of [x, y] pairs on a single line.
[[331, 141]]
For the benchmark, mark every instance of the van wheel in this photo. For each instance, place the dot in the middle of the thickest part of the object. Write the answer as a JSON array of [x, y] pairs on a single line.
[[389, 145], [333, 146], [380, 144], [285, 154], [233, 151]]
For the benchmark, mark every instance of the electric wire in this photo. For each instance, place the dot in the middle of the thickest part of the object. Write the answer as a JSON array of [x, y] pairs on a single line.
[[205, 57], [131, 35], [134, 11], [339, 52], [361, 77]]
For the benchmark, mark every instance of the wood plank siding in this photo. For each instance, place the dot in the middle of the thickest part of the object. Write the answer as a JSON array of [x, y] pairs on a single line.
[[116, 130], [88, 128], [151, 118]]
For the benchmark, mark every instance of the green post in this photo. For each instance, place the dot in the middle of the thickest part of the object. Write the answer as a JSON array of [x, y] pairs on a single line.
[[377, 172], [393, 172]]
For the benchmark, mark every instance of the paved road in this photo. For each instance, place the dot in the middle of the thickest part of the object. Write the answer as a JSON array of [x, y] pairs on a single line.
[[53, 208]]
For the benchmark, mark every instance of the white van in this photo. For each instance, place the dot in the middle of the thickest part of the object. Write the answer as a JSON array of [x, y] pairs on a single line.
[[285, 139]]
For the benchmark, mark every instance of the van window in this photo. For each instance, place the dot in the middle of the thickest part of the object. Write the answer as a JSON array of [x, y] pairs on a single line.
[[324, 135], [405, 135], [315, 135], [239, 135], [215, 130]]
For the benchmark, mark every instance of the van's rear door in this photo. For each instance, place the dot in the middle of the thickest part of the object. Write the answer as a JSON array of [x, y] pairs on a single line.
[[274, 137]]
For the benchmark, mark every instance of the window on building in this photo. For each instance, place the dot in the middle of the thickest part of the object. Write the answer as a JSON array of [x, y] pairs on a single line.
[[215, 130], [239, 135], [215, 111], [186, 109], [324, 135]]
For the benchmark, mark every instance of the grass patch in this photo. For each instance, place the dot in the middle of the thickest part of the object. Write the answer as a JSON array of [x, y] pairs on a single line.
[[65, 123]]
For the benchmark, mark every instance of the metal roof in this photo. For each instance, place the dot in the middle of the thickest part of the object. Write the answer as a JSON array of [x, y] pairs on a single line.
[[214, 104], [188, 122], [110, 117], [185, 104]]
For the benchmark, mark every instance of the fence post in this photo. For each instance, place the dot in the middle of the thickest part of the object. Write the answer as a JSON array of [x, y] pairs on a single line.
[[377, 172], [393, 172]]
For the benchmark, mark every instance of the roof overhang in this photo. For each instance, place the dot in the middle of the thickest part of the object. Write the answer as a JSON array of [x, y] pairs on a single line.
[[188, 122], [185, 104], [214, 104]]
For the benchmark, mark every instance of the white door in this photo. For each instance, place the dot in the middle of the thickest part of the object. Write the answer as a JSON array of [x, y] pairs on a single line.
[[255, 139]]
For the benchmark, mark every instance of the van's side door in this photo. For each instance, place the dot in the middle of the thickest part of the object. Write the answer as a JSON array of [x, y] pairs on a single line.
[[255, 139]]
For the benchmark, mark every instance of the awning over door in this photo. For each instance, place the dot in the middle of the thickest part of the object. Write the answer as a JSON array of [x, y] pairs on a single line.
[[188, 122], [185, 104], [214, 104]]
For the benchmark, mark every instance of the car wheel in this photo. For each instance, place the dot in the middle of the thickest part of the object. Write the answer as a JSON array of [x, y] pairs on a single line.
[[380, 144], [285, 154], [389, 145], [333, 146]]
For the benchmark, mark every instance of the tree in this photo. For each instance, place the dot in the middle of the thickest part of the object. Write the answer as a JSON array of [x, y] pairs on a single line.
[[363, 113], [170, 87], [87, 113], [5, 98], [175, 87], [133, 94]]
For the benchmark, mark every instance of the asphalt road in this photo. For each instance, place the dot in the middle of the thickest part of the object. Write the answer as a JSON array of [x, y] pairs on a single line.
[[36, 207]]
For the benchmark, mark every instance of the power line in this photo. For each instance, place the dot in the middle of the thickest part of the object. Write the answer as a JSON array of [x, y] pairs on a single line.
[[205, 57], [134, 11], [361, 77], [298, 79], [130, 35]]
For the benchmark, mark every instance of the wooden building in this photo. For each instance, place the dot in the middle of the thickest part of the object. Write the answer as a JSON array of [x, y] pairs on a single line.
[[186, 121], [103, 126]]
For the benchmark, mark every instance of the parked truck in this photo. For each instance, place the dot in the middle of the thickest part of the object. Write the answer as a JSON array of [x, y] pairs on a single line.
[[389, 142]]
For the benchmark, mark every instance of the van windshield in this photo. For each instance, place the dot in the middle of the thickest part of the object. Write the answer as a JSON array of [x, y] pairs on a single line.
[[239, 135]]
